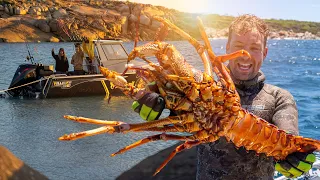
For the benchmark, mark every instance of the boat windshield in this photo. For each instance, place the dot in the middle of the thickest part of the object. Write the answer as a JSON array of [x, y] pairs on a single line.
[[114, 52]]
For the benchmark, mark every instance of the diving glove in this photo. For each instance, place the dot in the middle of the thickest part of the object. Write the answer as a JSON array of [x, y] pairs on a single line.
[[149, 106], [295, 164]]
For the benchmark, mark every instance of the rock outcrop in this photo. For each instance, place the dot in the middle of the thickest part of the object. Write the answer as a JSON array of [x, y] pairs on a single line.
[[182, 167], [12, 167], [98, 19]]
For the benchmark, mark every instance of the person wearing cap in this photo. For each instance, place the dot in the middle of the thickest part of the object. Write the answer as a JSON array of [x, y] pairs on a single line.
[[77, 60]]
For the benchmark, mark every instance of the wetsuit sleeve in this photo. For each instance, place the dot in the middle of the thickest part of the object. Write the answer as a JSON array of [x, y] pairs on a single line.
[[286, 113]]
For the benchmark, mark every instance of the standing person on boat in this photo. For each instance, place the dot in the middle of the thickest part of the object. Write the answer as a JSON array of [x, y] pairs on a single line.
[[222, 159], [77, 60], [62, 64]]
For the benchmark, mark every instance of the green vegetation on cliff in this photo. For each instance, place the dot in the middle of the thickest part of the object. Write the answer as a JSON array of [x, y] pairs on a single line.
[[221, 22]]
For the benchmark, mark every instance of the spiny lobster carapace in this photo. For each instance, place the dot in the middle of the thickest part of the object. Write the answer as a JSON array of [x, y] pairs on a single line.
[[206, 108]]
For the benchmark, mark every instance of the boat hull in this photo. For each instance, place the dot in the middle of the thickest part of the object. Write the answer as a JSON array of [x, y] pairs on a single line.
[[85, 85]]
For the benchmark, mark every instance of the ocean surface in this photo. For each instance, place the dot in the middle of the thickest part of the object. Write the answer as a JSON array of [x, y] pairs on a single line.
[[30, 127]]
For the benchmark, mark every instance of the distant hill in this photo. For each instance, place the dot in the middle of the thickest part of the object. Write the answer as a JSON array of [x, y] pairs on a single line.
[[59, 20]]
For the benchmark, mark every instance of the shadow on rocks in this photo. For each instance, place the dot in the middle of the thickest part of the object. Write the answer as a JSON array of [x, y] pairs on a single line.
[[182, 167]]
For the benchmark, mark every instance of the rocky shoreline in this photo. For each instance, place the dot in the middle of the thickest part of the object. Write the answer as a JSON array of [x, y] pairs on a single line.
[[58, 20]]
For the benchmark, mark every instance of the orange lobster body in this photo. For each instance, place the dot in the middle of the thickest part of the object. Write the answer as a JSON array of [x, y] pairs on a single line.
[[207, 108]]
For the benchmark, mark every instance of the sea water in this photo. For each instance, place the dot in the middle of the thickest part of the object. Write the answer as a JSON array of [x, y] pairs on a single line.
[[30, 128]]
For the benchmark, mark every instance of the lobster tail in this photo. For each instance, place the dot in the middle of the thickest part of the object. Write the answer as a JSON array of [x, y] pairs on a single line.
[[257, 134], [306, 144]]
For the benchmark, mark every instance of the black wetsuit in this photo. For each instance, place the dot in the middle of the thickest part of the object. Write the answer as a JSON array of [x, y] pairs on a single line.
[[221, 159]]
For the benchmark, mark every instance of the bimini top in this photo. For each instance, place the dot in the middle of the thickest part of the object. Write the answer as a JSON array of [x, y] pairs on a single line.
[[113, 55]]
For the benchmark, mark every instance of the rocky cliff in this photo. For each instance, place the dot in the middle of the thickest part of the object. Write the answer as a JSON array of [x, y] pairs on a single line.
[[59, 20]]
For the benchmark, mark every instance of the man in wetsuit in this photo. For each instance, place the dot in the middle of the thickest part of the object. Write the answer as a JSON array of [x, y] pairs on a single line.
[[221, 159]]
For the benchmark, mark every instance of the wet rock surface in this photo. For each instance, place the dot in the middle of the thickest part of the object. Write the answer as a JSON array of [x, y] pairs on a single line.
[[182, 167], [12, 168]]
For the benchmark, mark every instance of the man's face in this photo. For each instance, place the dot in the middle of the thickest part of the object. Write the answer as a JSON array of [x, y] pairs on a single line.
[[244, 68], [77, 49]]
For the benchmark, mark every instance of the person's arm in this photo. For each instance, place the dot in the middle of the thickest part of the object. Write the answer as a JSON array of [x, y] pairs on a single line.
[[286, 118], [150, 105], [72, 59], [286, 113], [52, 53]]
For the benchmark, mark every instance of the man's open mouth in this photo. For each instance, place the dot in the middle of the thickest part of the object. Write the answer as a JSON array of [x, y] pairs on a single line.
[[244, 67]]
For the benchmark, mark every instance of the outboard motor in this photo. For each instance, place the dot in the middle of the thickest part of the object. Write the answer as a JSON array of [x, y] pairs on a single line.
[[26, 73]]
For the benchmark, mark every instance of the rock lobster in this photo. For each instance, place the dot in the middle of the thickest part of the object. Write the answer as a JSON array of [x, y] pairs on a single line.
[[207, 104]]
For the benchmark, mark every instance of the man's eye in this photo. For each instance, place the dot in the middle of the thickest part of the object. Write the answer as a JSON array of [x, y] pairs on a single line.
[[238, 46]]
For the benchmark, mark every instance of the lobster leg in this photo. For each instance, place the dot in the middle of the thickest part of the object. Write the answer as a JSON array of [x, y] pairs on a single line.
[[79, 135], [175, 128], [199, 48], [208, 47], [219, 60], [92, 121], [118, 126], [186, 145], [157, 137]]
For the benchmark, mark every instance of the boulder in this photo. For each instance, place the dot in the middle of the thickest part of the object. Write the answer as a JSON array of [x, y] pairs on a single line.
[[44, 9], [283, 33], [34, 10], [124, 26], [133, 18], [53, 9], [59, 13], [125, 13], [1, 8], [20, 11], [54, 39], [44, 27], [123, 8], [144, 20], [273, 35], [155, 24], [12, 167], [10, 8], [6, 9], [53, 25], [182, 167], [299, 35], [137, 9]]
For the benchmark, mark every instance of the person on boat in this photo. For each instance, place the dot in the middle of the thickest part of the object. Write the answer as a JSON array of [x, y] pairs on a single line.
[[77, 60], [62, 64], [222, 159]]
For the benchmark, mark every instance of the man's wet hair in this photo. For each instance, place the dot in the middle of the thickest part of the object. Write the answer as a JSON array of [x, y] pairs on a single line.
[[249, 22]]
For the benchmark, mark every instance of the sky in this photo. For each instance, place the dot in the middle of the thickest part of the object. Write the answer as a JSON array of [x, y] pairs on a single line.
[[302, 10]]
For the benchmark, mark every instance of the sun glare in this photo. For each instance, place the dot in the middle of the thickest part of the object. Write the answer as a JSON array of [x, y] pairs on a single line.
[[198, 6]]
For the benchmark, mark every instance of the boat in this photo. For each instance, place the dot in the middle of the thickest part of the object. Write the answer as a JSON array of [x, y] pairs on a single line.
[[40, 81]]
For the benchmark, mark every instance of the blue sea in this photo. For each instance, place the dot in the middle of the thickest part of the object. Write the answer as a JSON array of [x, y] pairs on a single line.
[[30, 128]]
